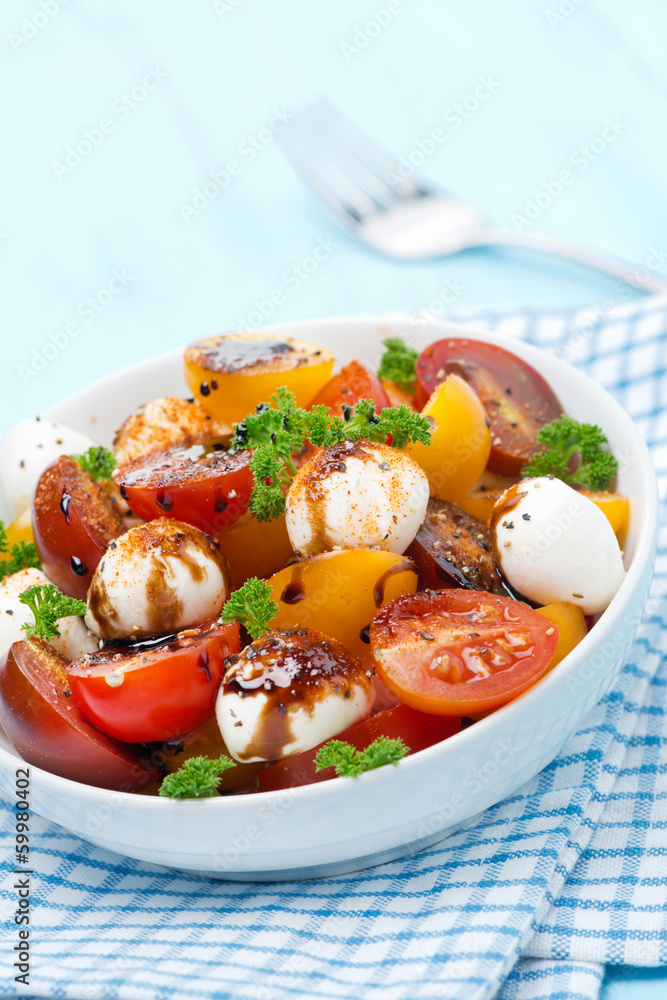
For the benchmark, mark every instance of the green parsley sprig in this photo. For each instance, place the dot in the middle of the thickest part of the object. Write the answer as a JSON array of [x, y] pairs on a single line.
[[349, 762], [22, 555], [565, 438], [278, 432], [198, 778], [99, 462], [399, 363], [48, 605], [251, 606]]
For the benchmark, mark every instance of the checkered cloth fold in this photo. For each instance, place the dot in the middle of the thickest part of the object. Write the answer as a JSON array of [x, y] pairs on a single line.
[[549, 885]]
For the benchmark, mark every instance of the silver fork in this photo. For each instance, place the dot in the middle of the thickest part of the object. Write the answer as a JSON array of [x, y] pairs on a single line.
[[398, 214]]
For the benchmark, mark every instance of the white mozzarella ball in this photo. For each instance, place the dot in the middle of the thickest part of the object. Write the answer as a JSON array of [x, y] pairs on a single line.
[[158, 578], [288, 692], [162, 423], [25, 452], [74, 639], [353, 495], [553, 544]]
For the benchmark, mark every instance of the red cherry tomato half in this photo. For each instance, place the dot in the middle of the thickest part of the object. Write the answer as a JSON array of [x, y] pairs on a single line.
[[517, 399], [201, 484], [353, 382], [44, 725], [460, 652], [74, 519], [416, 729], [146, 692]]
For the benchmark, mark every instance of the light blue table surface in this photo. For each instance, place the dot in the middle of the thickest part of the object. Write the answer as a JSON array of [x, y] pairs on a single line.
[[182, 90]]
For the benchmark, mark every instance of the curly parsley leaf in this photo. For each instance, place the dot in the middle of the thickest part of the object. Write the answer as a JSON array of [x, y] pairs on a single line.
[[565, 438], [198, 778], [251, 606], [350, 762], [48, 605], [399, 363], [271, 479], [99, 462], [281, 427], [278, 432]]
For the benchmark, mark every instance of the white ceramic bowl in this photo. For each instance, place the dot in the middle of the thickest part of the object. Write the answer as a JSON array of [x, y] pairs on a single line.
[[351, 823]]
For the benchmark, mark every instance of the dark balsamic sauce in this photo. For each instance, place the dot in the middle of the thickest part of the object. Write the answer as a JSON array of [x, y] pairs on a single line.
[[382, 581], [64, 505], [294, 591], [78, 566], [164, 501]]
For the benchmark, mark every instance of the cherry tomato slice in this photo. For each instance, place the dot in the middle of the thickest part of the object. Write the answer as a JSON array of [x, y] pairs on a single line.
[[147, 692], [416, 729], [231, 373], [516, 398], [353, 382], [459, 652], [45, 726], [74, 519], [201, 484]]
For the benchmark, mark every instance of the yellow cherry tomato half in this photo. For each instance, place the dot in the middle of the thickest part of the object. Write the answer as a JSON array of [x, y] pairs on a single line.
[[20, 530], [480, 500], [571, 628], [614, 506], [339, 593], [460, 440], [233, 372]]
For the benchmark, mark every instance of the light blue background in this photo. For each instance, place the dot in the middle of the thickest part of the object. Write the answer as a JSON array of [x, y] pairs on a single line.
[[560, 70]]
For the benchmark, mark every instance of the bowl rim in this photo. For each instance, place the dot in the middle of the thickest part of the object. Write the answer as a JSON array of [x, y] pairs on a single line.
[[641, 563]]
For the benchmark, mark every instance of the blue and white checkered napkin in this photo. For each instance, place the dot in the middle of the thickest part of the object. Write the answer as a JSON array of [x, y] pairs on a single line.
[[549, 885]]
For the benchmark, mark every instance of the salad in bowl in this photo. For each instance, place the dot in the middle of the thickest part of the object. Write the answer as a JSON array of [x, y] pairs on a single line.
[[301, 577]]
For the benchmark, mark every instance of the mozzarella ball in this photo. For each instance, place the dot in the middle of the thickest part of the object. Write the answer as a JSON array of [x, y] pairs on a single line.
[[553, 544], [74, 639], [288, 692], [158, 578], [26, 451], [353, 495], [162, 423]]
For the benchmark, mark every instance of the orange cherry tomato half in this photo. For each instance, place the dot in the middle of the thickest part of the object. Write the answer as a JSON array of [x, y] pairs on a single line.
[[231, 373], [396, 395], [201, 484], [146, 692], [516, 398], [459, 652], [255, 548], [416, 729], [352, 383], [45, 726]]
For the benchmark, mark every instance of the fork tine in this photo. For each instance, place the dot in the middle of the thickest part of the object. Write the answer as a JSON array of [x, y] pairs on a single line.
[[331, 184], [333, 155], [373, 160]]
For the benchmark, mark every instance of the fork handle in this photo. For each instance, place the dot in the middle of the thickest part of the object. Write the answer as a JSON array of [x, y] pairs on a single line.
[[630, 274]]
